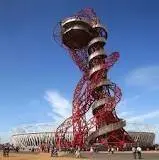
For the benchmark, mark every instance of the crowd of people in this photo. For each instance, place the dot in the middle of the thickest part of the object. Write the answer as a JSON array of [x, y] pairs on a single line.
[[6, 148]]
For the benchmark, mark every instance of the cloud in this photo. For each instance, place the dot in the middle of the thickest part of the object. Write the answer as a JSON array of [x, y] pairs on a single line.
[[137, 123], [61, 107], [35, 127], [124, 114], [144, 77], [142, 118], [124, 103], [60, 110], [5, 137], [125, 107], [141, 127]]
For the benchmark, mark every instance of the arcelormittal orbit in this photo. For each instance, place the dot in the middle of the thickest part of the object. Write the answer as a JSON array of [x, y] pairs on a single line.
[[84, 37]]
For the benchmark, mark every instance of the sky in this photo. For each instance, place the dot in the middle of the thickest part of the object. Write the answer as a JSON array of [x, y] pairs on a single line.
[[37, 76]]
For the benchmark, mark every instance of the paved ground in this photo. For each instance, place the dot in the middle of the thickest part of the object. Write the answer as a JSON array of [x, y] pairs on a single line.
[[122, 156], [88, 156], [33, 156]]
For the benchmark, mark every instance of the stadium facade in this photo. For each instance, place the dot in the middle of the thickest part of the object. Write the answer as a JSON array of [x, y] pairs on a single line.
[[35, 134], [144, 139]]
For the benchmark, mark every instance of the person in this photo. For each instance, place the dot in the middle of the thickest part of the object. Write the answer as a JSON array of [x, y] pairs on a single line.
[[42, 147], [91, 149], [139, 152], [71, 150], [17, 149], [109, 149], [91, 152], [6, 150], [33, 149], [48, 148], [112, 150], [134, 152], [109, 152], [77, 153], [54, 152]]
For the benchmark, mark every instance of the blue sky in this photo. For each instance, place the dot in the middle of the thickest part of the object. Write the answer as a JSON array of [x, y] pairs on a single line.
[[37, 77]]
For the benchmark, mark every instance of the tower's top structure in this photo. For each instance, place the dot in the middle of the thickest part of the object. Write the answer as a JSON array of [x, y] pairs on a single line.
[[79, 29]]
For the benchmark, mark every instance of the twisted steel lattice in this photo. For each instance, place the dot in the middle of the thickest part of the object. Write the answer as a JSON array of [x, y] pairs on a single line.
[[94, 90]]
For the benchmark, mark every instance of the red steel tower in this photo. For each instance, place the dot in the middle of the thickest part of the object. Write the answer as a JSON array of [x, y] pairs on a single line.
[[84, 37]]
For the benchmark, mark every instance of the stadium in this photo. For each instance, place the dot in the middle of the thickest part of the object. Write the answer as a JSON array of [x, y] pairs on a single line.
[[35, 135]]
